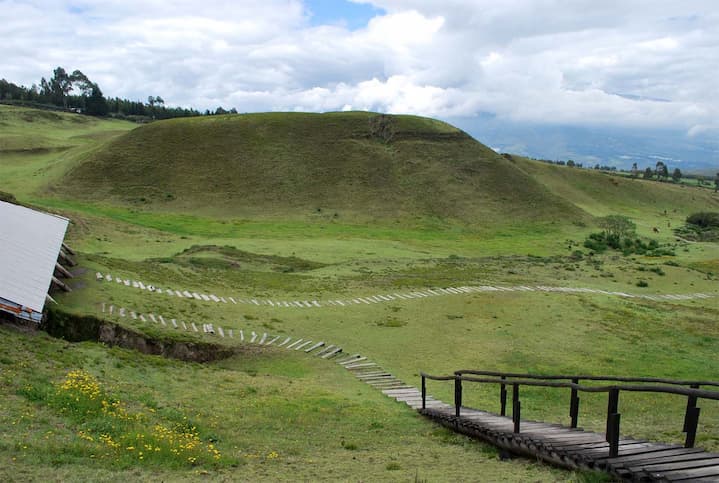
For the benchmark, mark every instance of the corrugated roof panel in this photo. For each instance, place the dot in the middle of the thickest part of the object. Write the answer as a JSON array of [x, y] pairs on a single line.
[[30, 242]]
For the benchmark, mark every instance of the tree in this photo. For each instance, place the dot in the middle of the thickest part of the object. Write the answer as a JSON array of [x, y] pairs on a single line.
[[635, 170], [616, 226], [571, 163], [96, 104], [676, 175], [648, 173], [60, 86], [661, 170]]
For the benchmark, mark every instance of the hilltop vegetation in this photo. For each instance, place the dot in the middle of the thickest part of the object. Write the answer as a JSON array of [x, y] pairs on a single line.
[[345, 167]]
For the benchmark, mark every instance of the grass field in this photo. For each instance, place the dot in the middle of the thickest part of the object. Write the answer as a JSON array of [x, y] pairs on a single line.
[[319, 420]]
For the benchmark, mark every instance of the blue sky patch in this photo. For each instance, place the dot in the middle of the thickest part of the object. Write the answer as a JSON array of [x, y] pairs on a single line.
[[352, 15]]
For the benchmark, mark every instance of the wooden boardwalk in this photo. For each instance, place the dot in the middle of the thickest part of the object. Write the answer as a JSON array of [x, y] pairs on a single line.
[[571, 446], [577, 449]]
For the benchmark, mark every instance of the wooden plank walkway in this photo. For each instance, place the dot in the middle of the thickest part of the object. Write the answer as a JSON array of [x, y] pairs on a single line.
[[638, 460]]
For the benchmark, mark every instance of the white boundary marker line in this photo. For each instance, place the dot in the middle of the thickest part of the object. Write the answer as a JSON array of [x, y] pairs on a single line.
[[423, 293]]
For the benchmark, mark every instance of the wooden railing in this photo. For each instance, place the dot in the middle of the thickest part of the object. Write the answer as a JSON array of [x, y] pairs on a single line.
[[691, 389]]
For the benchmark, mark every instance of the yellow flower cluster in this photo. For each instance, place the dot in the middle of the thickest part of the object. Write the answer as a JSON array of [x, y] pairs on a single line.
[[183, 442], [83, 382], [117, 410], [127, 434], [107, 439]]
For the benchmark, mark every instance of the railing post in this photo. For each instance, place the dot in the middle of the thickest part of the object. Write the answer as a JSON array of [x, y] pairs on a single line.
[[503, 398], [424, 392], [691, 419], [574, 405], [457, 395], [516, 408], [613, 418]]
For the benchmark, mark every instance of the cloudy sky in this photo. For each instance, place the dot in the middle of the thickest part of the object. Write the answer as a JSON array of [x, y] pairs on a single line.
[[634, 63]]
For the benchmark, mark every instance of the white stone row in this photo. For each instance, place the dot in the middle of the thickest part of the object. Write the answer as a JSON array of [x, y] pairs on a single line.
[[306, 345], [365, 370], [383, 298]]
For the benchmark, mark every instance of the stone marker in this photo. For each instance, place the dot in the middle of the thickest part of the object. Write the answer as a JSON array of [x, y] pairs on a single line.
[[315, 346], [222, 333], [142, 318], [174, 323], [262, 340], [352, 360], [284, 342], [273, 340], [294, 343], [233, 301], [325, 349], [331, 353], [254, 336], [304, 344], [194, 327]]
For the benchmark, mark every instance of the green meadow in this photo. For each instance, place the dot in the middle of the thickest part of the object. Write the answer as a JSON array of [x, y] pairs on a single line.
[[337, 206]]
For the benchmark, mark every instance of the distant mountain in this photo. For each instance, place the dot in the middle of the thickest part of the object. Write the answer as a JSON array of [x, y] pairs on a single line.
[[611, 146]]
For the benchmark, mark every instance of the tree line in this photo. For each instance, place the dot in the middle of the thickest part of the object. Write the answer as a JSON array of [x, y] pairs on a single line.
[[74, 91], [660, 172]]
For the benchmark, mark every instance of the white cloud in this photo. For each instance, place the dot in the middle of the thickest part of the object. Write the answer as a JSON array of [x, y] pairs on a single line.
[[583, 62]]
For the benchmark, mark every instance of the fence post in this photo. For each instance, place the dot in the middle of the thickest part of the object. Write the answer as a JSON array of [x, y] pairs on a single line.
[[574, 405], [613, 418], [424, 393], [503, 397], [691, 419], [457, 395], [516, 408]]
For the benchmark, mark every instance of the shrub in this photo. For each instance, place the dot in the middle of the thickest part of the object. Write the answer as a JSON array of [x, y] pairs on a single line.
[[704, 219]]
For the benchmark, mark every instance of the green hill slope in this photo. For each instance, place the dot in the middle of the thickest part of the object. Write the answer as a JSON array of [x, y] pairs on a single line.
[[352, 167], [649, 203], [37, 147]]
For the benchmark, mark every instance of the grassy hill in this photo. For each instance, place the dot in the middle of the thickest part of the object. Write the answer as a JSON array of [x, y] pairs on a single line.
[[229, 206], [38, 146], [349, 167]]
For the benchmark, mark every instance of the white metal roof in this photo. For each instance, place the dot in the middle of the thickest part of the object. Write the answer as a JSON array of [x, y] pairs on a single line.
[[30, 242]]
